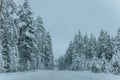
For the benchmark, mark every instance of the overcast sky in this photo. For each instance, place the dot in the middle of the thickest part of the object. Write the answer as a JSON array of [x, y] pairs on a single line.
[[63, 18]]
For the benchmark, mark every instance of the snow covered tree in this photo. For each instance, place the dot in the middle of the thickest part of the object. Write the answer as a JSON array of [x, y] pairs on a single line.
[[68, 56], [92, 51], [45, 58], [91, 54], [105, 49], [76, 54], [8, 36], [101, 43], [61, 63], [49, 53], [116, 56], [86, 41], [92, 47], [39, 30], [27, 44], [24, 43]]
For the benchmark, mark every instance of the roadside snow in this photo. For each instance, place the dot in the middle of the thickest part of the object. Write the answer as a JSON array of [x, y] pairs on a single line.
[[57, 75]]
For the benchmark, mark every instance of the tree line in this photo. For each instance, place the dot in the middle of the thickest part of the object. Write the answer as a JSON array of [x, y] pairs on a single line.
[[24, 42], [88, 53]]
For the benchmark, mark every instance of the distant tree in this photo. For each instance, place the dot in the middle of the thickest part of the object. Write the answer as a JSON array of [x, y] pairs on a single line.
[[105, 49], [116, 56], [61, 63], [92, 47], [86, 47], [68, 56], [86, 53]]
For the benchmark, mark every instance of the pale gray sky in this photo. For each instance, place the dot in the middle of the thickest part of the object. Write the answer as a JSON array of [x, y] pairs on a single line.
[[63, 18]]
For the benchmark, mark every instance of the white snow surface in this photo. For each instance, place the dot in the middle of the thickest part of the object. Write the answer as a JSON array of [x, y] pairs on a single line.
[[57, 75]]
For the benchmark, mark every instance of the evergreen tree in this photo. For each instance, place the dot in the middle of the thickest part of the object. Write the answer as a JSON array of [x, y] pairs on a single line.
[[86, 53], [39, 32], [61, 63], [86, 41], [50, 57], [92, 47], [105, 49], [8, 36], [27, 37], [116, 56], [24, 43], [78, 57], [76, 54], [68, 56]]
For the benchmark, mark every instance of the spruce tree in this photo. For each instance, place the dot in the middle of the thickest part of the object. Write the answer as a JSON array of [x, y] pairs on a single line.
[[68, 56], [8, 36], [49, 51], [26, 37]]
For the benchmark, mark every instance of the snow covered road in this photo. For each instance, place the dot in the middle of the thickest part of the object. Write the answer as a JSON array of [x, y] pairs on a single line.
[[57, 75]]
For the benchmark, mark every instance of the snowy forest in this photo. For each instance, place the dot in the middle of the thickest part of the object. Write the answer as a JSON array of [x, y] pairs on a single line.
[[24, 42], [26, 45], [88, 53]]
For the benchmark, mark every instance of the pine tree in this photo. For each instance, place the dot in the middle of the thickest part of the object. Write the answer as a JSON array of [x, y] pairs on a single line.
[[41, 36], [26, 37], [61, 63], [8, 36], [101, 43], [45, 58], [49, 52], [92, 51], [75, 56], [86, 41], [78, 58], [116, 56], [38, 32], [68, 56], [92, 47], [109, 48], [104, 46], [24, 43]]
